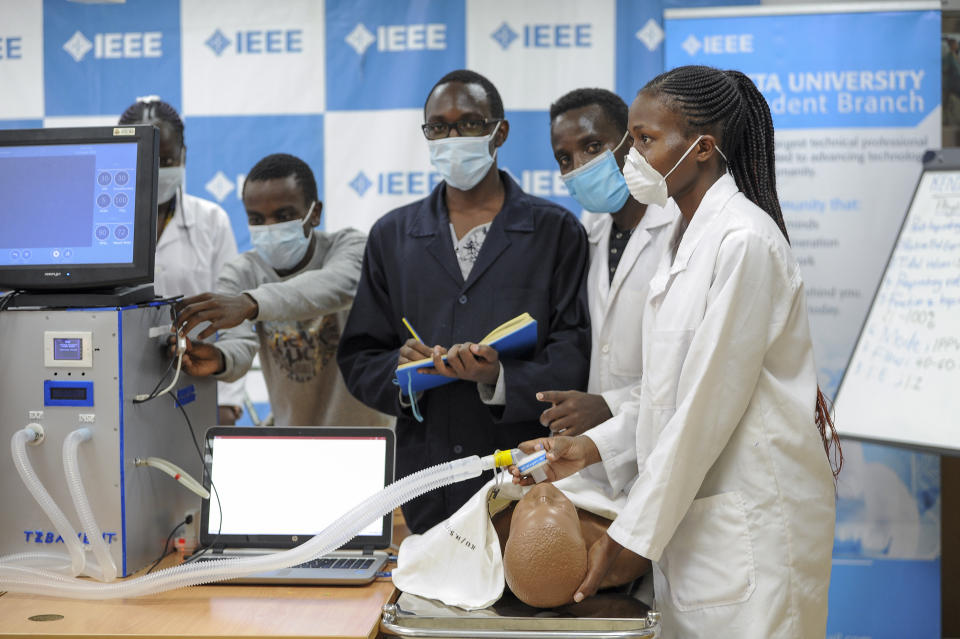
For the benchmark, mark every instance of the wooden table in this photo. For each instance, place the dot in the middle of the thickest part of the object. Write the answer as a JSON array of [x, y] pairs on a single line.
[[209, 612], [205, 612]]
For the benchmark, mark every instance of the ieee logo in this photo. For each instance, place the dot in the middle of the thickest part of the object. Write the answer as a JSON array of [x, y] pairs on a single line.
[[11, 48], [220, 186], [360, 183], [718, 44], [257, 41], [147, 44], [545, 36], [416, 183], [399, 37]]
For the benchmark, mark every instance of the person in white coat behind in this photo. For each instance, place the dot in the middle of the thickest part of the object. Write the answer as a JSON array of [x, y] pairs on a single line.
[[734, 497], [194, 236], [588, 132]]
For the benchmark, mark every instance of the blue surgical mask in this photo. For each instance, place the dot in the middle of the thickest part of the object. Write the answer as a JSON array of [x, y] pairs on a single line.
[[598, 185], [282, 245], [462, 161]]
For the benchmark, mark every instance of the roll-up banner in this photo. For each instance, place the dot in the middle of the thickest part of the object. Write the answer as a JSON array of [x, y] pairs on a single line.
[[854, 90]]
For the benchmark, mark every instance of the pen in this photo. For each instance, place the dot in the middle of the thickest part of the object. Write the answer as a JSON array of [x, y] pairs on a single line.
[[410, 328]]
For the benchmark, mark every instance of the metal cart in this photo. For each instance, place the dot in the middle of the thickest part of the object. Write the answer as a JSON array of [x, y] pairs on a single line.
[[413, 616]]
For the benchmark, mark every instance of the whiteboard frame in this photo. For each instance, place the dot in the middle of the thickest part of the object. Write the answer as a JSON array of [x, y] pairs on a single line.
[[933, 160]]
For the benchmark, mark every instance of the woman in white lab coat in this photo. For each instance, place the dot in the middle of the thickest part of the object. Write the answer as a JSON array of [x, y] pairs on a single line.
[[194, 236], [733, 498]]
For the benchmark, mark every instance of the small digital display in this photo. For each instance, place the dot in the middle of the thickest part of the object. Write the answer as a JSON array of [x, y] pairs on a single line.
[[67, 348], [68, 392]]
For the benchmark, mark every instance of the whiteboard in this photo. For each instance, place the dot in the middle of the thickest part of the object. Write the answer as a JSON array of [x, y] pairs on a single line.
[[902, 384]]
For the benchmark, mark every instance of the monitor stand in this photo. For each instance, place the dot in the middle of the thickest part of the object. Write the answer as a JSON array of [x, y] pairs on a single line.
[[109, 297]]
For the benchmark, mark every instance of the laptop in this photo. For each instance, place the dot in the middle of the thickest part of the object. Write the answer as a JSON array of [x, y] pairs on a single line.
[[277, 487]]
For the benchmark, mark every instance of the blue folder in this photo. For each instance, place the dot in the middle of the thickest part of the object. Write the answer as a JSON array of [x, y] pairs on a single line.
[[516, 338]]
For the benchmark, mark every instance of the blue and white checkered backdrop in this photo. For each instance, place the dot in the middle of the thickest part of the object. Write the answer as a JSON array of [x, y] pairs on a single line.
[[339, 83]]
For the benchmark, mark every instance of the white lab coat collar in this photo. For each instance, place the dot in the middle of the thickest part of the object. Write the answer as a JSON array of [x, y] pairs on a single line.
[[599, 231], [710, 210], [711, 207]]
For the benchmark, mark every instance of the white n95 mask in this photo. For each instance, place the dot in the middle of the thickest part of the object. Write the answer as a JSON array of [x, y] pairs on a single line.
[[282, 245], [646, 184], [169, 179], [462, 161]]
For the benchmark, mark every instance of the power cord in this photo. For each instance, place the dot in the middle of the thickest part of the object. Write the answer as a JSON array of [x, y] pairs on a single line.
[[186, 522], [204, 474]]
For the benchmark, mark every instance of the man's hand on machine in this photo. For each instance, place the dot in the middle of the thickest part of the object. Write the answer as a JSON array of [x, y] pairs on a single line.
[[222, 311], [199, 358], [573, 412], [565, 456]]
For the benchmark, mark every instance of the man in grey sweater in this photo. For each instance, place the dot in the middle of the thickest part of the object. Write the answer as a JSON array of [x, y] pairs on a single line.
[[288, 298]]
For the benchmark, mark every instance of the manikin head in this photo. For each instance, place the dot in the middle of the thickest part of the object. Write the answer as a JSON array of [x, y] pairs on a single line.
[[545, 558]]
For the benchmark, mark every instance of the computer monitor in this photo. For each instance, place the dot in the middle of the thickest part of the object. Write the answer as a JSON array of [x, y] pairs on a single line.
[[78, 207]]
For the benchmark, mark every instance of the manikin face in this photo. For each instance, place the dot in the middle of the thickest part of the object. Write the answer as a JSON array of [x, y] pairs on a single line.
[[545, 558]]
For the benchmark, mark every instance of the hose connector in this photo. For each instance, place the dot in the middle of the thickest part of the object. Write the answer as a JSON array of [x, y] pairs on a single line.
[[531, 464], [38, 434]]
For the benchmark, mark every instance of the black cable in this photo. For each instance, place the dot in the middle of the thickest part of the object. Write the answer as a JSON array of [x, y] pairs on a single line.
[[164, 553], [5, 302], [203, 476], [175, 316]]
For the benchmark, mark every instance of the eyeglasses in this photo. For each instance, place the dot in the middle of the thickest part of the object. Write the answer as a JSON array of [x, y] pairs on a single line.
[[466, 128]]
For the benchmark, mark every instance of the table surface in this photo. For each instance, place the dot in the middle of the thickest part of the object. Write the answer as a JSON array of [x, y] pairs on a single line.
[[205, 611], [209, 612]]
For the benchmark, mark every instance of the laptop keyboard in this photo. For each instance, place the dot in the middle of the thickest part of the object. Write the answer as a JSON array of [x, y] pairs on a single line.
[[320, 562], [333, 562]]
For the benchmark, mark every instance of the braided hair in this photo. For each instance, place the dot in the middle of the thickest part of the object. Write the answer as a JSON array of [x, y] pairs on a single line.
[[728, 105], [153, 108]]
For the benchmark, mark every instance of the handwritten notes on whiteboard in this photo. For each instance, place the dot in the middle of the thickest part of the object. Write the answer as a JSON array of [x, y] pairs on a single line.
[[903, 382]]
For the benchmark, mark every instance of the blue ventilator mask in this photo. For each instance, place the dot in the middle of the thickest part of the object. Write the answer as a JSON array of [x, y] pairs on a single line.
[[282, 245], [463, 161], [599, 185]]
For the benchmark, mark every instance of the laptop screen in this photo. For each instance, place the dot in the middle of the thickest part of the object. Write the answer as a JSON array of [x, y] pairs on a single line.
[[277, 487]]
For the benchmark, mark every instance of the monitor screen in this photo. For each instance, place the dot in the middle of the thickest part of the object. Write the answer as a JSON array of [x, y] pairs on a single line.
[[78, 207], [67, 203]]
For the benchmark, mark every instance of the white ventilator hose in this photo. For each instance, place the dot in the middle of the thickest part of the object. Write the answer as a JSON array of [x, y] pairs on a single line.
[[18, 446], [71, 468], [15, 578]]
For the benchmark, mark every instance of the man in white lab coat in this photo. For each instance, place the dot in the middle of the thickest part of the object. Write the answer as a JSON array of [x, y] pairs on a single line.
[[588, 131]]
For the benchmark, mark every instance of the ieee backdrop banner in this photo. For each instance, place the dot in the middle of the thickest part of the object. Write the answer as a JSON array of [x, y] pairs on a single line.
[[340, 83], [855, 98]]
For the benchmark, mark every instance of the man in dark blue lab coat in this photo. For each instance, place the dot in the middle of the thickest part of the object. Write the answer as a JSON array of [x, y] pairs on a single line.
[[475, 253]]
